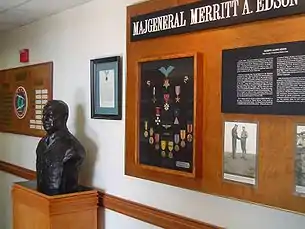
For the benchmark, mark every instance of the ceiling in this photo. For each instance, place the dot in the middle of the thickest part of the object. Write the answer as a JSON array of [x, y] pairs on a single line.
[[16, 13]]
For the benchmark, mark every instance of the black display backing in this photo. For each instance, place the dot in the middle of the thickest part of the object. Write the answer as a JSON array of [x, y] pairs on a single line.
[[182, 75], [268, 79]]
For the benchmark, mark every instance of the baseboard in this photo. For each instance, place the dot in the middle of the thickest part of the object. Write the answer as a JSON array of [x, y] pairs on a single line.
[[129, 208]]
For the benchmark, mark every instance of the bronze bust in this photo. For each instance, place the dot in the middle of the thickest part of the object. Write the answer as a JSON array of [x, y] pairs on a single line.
[[59, 154]]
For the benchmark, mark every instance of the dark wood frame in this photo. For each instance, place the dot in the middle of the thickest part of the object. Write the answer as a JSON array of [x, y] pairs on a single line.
[[93, 64], [132, 165]]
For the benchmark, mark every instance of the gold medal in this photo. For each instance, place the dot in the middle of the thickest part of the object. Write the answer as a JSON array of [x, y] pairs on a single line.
[[163, 145], [170, 146], [182, 136], [146, 127]]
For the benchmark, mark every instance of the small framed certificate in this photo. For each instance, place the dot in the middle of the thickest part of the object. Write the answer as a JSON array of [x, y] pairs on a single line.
[[106, 88]]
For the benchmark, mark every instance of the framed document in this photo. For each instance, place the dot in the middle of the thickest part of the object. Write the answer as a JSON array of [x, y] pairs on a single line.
[[106, 88]]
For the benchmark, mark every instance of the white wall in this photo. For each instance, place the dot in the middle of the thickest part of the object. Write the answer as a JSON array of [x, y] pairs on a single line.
[[71, 39]]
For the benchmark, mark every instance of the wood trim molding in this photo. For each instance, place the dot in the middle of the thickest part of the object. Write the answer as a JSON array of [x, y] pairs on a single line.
[[129, 208]]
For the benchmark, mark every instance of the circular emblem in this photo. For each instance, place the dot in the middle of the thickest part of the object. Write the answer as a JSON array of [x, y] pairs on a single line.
[[20, 102]]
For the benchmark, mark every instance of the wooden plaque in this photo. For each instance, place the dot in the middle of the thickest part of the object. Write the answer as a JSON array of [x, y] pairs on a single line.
[[24, 92], [276, 134]]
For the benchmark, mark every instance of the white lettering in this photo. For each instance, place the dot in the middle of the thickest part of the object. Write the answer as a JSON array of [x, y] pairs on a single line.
[[222, 10], [246, 9], [135, 28], [260, 6], [227, 6], [150, 26], [177, 24], [171, 21], [266, 5], [269, 5], [235, 4], [208, 13], [285, 4], [294, 2], [194, 16], [202, 15], [183, 21], [277, 6], [165, 23], [216, 8]]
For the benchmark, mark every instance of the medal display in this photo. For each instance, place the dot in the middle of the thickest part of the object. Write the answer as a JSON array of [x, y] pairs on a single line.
[[166, 106]]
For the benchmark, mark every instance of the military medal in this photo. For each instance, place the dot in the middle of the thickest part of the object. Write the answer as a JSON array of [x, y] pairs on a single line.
[[148, 83], [177, 91], [182, 135], [170, 147], [157, 139], [151, 133], [189, 131], [166, 99], [176, 122], [177, 139], [176, 114], [157, 120], [163, 147], [166, 83], [154, 100], [167, 126], [146, 127], [186, 78]]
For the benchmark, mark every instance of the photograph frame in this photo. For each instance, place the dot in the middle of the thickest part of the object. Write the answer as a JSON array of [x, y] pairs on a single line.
[[111, 108], [298, 190], [240, 177]]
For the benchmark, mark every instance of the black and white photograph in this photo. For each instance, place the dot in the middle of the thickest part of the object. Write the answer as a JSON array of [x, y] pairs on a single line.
[[300, 159], [240, 151]]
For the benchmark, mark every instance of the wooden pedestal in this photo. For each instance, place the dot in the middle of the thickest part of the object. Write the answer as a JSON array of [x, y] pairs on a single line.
[[34, 210]]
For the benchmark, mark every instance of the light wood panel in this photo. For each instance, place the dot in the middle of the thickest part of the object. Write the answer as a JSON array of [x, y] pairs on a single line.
[[27, 88], [275, 186], [34, 210]]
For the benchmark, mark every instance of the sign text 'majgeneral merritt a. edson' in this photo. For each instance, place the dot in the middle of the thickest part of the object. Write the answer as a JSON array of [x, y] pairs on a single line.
[[210, 14]]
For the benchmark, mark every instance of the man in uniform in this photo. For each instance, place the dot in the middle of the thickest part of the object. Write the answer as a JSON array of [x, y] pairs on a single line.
[[234, 140], [243, 142], [59, 154]]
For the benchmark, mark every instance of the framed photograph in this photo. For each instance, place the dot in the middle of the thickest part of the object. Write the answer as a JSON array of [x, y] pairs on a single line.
[[240, 151], [300, 159], [106, 88]]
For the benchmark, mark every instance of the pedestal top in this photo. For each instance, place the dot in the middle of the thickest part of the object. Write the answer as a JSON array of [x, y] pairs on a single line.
[[32, 187]]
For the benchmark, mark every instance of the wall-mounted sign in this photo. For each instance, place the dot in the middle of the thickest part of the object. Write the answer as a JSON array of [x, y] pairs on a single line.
[[267, 79], [210, 14]]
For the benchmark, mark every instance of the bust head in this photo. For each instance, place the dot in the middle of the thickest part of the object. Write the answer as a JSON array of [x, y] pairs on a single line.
[[55, 116]]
